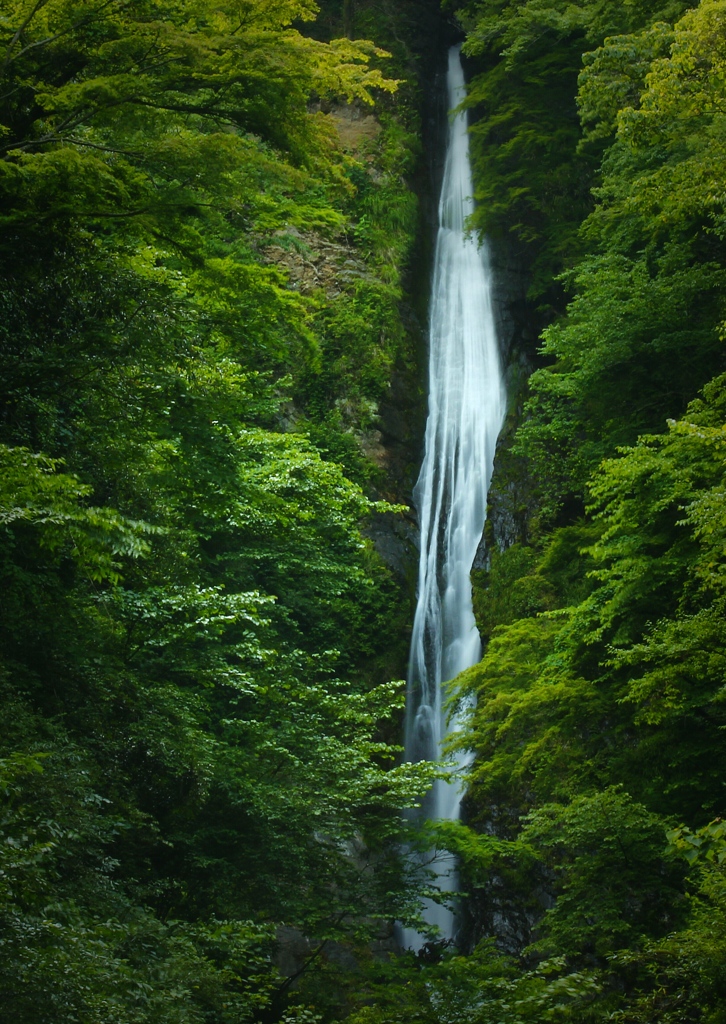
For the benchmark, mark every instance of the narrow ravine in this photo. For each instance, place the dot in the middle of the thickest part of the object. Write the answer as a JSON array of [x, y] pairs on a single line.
[[466, 408]]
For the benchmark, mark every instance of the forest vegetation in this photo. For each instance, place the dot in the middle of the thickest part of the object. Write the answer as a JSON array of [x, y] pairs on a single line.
[[209, 219], [198, 641]]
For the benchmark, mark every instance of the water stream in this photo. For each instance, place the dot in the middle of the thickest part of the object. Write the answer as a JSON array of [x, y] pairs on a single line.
[[466, 408]]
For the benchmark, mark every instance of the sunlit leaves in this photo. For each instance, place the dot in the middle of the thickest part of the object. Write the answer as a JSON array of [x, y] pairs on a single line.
[[614, 77], [186, 588], [34, 493]]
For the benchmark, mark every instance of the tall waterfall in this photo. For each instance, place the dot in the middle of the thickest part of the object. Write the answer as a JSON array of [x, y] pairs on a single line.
[[466, 408]]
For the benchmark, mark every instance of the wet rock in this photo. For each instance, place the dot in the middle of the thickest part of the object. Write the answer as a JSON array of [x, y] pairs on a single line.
[[293, 949], [511, 500], [396, 540]]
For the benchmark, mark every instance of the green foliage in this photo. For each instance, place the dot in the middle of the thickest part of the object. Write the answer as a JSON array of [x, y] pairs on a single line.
[[195, 762], [508, 590], [530, 182], [485, 987], [530, 724], [598, 723], [75, 946], [523, 581], [707, 843], [638, 341], [612, 886], [682, 976], [643, 333], [532, 178], [194, 765], [637, 664], [614, 77], [594, 723]]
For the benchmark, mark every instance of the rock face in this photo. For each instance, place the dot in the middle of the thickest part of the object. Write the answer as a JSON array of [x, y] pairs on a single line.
[[357, 129], [313, 262], [510, 500]]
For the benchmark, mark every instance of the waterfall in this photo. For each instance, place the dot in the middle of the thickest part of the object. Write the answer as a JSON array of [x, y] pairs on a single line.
[[466, 409]]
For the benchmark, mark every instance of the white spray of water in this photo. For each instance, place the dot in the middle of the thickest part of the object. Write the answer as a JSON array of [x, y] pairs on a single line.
[[466, 409]]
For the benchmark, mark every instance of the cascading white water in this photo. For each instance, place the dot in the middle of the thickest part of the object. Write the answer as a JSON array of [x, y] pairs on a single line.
[[466, 409]]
